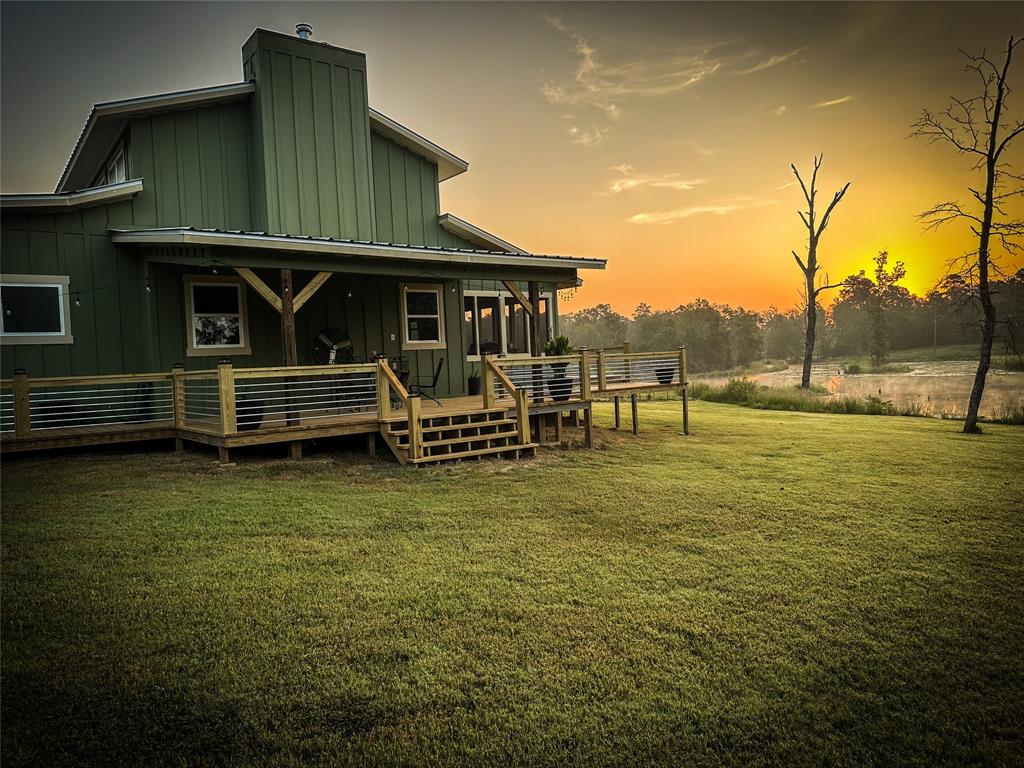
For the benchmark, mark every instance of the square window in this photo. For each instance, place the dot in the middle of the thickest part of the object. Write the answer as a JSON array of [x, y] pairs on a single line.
[[422, 316], [216, 316], [34, 309]]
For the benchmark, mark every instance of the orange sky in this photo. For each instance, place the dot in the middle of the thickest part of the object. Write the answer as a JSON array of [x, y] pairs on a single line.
[[655, 136]]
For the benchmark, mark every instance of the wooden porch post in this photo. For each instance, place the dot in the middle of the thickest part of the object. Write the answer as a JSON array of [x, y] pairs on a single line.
[[683, 387], [22, 410], [535, 348], [178, 400], [291, 350]]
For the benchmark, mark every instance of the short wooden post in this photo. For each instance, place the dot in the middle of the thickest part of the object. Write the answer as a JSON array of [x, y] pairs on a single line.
[[602, 375], [487, 381], [383, 391], [618, 420], [585, 375], [371, 444], [22, 409], [226, 386], [627, 348], [558, 427], [636, 416], [683, 384], [178, 394], [523, 416], [412, 414], [588, 425]]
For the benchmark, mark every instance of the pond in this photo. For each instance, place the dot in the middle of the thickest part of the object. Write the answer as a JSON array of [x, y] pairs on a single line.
[[939, 387]]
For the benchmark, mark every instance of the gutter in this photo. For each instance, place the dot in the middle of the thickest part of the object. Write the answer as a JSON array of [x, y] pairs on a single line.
[[65, 201]]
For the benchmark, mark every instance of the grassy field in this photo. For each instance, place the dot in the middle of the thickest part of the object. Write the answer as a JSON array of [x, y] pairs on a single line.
[[777, 588]]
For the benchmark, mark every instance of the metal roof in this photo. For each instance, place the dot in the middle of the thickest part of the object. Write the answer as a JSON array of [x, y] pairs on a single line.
[[194, 236], [64, 201], [452, 223]]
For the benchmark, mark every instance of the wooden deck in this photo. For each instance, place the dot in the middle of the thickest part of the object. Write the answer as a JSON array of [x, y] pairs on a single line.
[[229, 408]]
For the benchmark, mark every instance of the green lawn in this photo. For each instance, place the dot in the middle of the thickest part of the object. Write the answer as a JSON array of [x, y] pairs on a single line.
[[777, 588]]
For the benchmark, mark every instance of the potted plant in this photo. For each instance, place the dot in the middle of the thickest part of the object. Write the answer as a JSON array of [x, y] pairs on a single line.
[[559, 385], [473, 385]]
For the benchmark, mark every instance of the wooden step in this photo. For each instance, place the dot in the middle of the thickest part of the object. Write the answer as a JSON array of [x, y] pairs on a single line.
[[452, 427], [468, 439], [516, 447], [400, 417]]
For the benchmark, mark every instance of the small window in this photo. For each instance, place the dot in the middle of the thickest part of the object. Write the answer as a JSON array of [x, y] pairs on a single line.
[[34, 309], [115, 168], [423, 316], [216, 316]]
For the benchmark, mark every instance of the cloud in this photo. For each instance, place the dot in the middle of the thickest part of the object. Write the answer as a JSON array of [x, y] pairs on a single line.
[[716, 209], [602, 86], [629, 181], [587, 137], [833, 102], [779, 110], [670, 217], [693, 146], [772, 61], [785, 186]]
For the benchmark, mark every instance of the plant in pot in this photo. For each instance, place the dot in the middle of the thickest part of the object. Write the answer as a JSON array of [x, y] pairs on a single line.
[[473, 386], [559, 385]]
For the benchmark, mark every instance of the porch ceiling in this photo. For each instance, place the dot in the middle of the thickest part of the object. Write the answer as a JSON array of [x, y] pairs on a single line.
[[341, 255]]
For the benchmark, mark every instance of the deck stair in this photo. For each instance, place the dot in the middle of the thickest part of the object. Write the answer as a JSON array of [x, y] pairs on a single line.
[[452, 437]]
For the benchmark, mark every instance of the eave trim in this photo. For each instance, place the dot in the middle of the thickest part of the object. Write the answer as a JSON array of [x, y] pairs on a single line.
[[110, 193], [448, 164], [474, 234]]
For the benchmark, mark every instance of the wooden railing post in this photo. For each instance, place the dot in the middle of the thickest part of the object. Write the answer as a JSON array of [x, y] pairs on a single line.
[[22, 410], [602, 373], [178, 394], [683, 388], [523, 416], [626, 370], [383, 391], [487, 381], [412, 412], [585, 374], [226, 385]]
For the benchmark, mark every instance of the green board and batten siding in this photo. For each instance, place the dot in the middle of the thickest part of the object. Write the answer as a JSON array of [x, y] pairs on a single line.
[[311, 126]]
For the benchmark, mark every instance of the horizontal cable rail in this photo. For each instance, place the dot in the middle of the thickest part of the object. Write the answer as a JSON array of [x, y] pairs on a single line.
[[269, 398], [544, 378], [6, 409], [70, 402], [201, 400], [653, 368]]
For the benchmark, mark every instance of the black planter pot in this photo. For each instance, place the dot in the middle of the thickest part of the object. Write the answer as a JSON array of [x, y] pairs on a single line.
[[473, 386], [664, 375], [252, 414], [560, 388]]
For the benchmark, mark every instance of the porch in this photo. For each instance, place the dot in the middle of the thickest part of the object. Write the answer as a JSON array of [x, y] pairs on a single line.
[[227, 407]]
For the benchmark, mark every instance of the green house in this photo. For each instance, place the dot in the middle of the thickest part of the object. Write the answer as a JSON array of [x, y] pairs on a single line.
[[279, 220]]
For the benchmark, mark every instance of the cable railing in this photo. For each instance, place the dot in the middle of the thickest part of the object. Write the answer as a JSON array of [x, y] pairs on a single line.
[[552, 379], [284, 397], [651, 369]]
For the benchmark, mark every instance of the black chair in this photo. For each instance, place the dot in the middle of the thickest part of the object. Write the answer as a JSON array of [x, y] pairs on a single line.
[[422, 389]]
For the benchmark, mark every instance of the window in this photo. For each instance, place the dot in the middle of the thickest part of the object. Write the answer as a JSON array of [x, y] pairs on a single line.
[[34, 309], [495, 323], [422, 316], [216, 316], [115, 169]]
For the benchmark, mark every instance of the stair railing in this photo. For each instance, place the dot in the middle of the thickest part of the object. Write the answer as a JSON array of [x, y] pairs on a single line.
[[388, 383], [491, 372]]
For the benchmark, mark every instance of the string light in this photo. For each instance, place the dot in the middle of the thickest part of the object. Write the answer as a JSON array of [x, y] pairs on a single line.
[[78, 301]]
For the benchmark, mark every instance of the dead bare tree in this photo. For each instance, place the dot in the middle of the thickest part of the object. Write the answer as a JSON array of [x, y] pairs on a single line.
[[977, 127], [810, 267]]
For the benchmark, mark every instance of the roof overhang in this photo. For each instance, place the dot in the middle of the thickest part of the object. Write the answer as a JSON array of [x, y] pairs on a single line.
[[474, 234], [107, 121], [448, 165], [179, 236], [65, 201]]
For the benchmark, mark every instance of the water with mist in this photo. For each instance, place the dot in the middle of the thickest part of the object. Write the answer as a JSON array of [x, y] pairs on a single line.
[[939, 387]]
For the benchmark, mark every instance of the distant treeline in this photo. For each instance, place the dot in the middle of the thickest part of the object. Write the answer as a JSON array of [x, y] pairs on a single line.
[[871, 316]]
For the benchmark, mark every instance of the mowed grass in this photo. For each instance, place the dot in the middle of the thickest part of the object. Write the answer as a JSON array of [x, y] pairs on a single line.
[[777, 588]]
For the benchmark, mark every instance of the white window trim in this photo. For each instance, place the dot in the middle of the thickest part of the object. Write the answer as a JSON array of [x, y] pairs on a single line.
[[503, 326], [225, 350], [437, 288], [62, 284]]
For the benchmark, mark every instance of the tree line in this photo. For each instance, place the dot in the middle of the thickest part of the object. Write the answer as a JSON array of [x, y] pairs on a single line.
[[871, 316]]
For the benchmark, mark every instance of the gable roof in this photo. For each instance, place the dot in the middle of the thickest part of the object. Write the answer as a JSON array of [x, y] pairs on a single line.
[[65, 201], [452, 223], [107, 120]]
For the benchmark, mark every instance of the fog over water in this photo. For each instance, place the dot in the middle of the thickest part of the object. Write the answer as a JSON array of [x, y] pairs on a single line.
[[940, 387]]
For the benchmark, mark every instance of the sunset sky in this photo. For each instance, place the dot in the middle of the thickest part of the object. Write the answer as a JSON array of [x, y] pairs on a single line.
[[656, 136]]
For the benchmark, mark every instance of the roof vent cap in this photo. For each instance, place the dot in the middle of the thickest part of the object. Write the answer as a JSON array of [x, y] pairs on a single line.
[[305, 31]]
